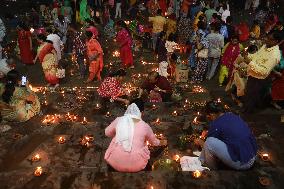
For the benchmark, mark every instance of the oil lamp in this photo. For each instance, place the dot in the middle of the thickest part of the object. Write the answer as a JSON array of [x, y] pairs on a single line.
[[61, 140], [265, 157], [36, 158], [84, 122], [196, 174], [38, 171], [158, 122], [175, 113]]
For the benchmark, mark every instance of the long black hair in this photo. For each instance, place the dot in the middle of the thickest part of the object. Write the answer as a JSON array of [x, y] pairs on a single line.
[[214, 107], [122, 24], [13, 78]]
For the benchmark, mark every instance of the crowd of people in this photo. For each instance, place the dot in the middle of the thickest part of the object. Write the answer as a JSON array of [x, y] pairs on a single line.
[[247, 59]]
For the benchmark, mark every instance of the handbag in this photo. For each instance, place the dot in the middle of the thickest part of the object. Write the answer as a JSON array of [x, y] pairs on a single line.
[[203, 53]]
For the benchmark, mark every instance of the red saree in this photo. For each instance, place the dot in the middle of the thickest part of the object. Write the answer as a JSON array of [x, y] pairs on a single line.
[[124, 40], [24, 38], [231, 53], [48, 59]]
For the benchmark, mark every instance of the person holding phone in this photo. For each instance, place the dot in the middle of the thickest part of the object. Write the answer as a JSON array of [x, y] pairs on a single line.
[[22, 102]]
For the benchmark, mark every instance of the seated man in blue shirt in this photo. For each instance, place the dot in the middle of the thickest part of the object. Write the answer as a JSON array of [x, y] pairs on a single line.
[[229, 140]]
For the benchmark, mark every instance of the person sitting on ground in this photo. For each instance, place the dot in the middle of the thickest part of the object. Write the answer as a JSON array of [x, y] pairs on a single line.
[[111, 87], [229, 140], [128, 150], [24, 103], [6, 65], [156, 85]]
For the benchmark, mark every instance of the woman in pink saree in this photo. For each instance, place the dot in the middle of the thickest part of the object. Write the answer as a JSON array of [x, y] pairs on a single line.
[[124, 41], [48, 59]]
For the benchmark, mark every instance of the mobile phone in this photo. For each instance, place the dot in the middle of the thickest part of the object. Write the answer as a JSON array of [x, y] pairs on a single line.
[[24, 80]]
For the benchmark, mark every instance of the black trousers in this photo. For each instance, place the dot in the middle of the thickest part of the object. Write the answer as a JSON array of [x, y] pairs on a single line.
[[255, 92]]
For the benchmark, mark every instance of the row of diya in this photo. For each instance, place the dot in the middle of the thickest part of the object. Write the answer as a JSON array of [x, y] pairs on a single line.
[[56, 118], [61, 89], [85, 141]]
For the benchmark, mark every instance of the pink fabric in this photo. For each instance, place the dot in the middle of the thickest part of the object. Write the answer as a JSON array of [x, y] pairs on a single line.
[[137, 159], [94, 30], [124, 40], [230, 55]]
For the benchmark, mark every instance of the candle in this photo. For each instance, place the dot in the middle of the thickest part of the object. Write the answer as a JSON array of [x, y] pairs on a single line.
[[38, 171], [174, 113], [195, 121], [154, 107], [84, 122], [86, 140], [158, 121], [74, 118], [108, 114], [36, 158], [196, 174], [115, 54], [176, 157], [61, 140], [98, 106], [265, 157]]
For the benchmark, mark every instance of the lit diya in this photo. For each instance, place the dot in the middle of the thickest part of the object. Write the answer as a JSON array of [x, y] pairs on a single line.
[[197, 174], [38, 171], [36, 158], [84, 122], [175, 113], [154, 107], [98, 106], [176, 158], [195, 121], [61, 140], [68, 117], [158, 121], [108, 114], [265, 157], [87, 140]]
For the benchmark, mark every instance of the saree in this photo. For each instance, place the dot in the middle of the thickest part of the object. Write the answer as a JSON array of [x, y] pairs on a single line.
[[21, 110], [124, 41], [24, 40], [84, 13], [48, 59], [96, 66]]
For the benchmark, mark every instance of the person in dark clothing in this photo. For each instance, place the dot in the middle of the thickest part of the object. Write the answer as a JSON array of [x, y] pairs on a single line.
[[158, 84]]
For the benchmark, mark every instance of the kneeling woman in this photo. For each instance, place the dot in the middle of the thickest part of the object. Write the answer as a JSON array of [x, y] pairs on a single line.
[[229, 140], [24, 103], [128, 151]]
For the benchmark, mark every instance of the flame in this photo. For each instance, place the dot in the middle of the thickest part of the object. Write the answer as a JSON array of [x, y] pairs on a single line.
[[197, 174], [36, 157], [176, 157], [158, 121], [38, 171], [61, 140], [195, 120]]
